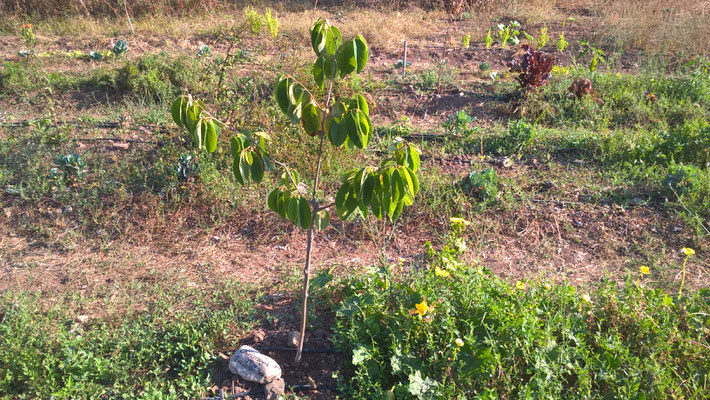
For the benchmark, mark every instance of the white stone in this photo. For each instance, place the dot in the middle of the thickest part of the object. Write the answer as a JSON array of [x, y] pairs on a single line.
[[253, 366]]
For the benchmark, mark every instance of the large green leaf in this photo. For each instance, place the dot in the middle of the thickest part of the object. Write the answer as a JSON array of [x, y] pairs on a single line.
[[413, 161], [359, 102], [318, 35], [324, 69], [336, 132], [368, 189], [273, 200], [235, 170], [178, 109], [333, 39], [304, 213], [245, 161], [311, 118], [257, 168], [358, 127], [353, 55], [284, 200], [281, 93], [292, 210], [211, 135]]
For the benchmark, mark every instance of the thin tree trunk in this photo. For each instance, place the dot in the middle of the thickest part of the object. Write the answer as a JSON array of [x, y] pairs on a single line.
[[311, 233]]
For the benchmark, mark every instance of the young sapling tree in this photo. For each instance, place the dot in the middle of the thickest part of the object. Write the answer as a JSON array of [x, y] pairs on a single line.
[[381, 190]]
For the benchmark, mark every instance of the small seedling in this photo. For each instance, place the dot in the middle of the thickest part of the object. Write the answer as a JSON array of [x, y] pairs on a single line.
[[466, 41], [598, 55], [204, 51], [543, 38], [120, 48], [561, 44], [71, 168], [488, 39]]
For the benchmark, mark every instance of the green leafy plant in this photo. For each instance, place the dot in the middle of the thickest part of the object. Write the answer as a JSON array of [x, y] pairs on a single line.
[[466, 41], [120, 48], [253, 19], [204, 51], [509, 33], [561, 43], [272, 23], [482, 185], [488, 40], [382, 191], [186, 168], [681, 180], [445, 330], [542, 38], [71, 168], [597, 55], [459, 124]]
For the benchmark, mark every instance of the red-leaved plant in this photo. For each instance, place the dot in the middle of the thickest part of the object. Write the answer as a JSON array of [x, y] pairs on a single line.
[[533, 68]]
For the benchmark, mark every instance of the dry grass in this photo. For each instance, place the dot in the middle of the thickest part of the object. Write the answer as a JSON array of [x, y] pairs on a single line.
[[655, 26]]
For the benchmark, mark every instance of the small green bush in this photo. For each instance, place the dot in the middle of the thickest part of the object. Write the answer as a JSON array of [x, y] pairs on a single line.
[[483, 185], [155, 77], [467, 334]]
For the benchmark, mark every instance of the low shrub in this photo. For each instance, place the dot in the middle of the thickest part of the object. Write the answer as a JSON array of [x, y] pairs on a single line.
[[467, 334]]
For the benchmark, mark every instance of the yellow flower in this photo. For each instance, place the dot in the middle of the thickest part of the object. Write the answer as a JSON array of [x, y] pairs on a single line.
[[459, 221], [548, 286], [644, 270], [520, 285], [421, 308], [687, 251], [401, 260], [586, 298], [441, 272], [459, 342]]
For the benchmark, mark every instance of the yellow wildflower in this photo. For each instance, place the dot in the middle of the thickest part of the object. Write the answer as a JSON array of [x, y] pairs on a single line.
[[687, 251], [459, 342], [459, 221], [548, 286], [441, 272], [520, 285], [401, 260], [644, 270], [586, 298], [421, 308]]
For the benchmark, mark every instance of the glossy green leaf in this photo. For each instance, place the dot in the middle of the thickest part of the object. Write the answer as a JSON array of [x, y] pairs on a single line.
[[358, 127], [236, 172], [283, 202], [304, 213], [257, 168], [368, 189], [353, 55], [273, 200], [360, 103], [177, 109], [413, 160], [245, 165], [311, 118], [333, 40], [211, 135], [292, 210], [318, 35], [281, 93], [324, 69], [236, 146]]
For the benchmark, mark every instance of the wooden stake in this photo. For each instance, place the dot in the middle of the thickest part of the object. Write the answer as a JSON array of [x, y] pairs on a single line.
[[404, 60]]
